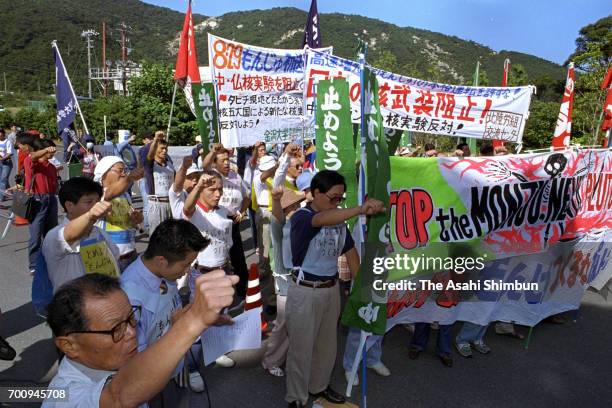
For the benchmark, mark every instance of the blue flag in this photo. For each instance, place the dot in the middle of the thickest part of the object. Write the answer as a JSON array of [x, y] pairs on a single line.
[[312, 35], [64, 95]]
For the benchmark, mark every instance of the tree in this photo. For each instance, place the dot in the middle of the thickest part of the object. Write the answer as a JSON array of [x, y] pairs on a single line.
[[517, 76], [591, 58], [387, 61], [540, 124], [594, 39]]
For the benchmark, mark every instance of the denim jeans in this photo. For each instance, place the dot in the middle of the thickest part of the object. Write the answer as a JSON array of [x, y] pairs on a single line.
[[421, 336], [6, 167], [45, 220], [373, 346], [471, 333]]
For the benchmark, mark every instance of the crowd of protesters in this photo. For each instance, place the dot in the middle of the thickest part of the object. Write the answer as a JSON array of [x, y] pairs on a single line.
[[117, 315]]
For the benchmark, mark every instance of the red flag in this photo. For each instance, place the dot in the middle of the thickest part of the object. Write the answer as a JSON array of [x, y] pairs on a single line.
[[187, 59], [561, 137], [500, 143], [607, 122]]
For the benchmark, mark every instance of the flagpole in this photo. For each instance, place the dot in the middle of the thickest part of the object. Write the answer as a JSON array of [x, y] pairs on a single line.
[[171, 111], [362, 218], [78, 107]]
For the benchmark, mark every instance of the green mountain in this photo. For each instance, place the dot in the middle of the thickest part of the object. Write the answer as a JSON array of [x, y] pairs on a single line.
[[29, 27]]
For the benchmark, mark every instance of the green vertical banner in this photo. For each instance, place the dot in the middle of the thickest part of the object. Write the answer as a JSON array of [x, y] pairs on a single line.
[[367, 307], [206, 114], [334, 134], [393, 137]]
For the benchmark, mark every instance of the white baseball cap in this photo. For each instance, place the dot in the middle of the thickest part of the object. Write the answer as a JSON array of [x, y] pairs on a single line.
[[266, 163], [193, 169], [105, 165]]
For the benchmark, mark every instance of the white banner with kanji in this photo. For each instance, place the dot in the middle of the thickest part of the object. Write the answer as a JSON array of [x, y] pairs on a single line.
[[421, 106], [259, 92]]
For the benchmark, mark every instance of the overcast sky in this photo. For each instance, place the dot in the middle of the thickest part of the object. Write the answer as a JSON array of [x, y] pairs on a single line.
[[546, 28]]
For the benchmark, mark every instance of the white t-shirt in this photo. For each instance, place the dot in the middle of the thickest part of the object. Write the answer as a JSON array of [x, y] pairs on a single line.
[[64, 261], [233, 192], [163, 177], [6, 148], [262, 190], [83, 384], [177, 202], [215, 225]]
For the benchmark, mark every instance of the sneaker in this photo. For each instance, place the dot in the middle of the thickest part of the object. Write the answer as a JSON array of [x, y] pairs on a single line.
[[196, 383], [347, 375], [481, 347], [464, 349], [380, 369], [276, 371], [225, 361]]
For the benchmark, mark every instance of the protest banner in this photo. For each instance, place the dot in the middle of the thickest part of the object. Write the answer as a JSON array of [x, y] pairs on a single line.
[[539, 219], [259, 92], [422, 106], [366, 306], [334, 134]]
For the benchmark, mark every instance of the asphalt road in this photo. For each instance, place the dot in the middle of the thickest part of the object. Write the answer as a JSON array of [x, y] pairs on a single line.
[[567, 365]]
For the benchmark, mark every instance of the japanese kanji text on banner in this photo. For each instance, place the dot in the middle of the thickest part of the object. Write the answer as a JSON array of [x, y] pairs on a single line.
[[421, 106], [259, 92]]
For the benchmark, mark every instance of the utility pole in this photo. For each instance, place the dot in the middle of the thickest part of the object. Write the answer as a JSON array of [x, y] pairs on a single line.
[[123, 58], [87, 35], [104, 58]]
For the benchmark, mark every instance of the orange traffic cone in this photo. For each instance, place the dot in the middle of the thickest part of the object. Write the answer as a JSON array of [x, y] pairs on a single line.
[[20, 221], [253, 295]]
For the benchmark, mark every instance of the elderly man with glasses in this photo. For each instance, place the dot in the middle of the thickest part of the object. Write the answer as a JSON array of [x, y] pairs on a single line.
[[94, 325]]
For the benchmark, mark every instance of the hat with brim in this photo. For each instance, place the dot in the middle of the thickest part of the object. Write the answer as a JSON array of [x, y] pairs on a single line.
[[266, 163], [290, 198], [192, 170], [104, 166], [303, 180]]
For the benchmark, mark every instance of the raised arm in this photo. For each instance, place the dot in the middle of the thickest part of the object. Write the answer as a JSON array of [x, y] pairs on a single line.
[[291, 151], [209, 159], [147, 373], [159, 135], [37, 155], [121, 186], [80, 226], [190, 203], [179, 177], [339, 215]]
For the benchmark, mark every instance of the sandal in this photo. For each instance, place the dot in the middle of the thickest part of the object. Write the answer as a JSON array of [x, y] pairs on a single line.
[[6, 351], [276, 371]]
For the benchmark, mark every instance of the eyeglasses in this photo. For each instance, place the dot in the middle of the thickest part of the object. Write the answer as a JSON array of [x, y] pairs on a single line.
[[123, 172], [119, 330], [335, 200]]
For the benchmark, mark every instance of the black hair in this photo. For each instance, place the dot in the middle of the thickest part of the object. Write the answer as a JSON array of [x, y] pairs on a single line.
[[75, 188], [40, 144], [429, 146], [213, 174], [65, 312], [325, 180], [460, 146], [24, 138], [486, 149], [172, 239], [148, 135], [2, 130]]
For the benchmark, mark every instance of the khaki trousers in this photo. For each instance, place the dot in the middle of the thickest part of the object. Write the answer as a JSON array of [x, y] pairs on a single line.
[[312, 320], [278, 343]]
